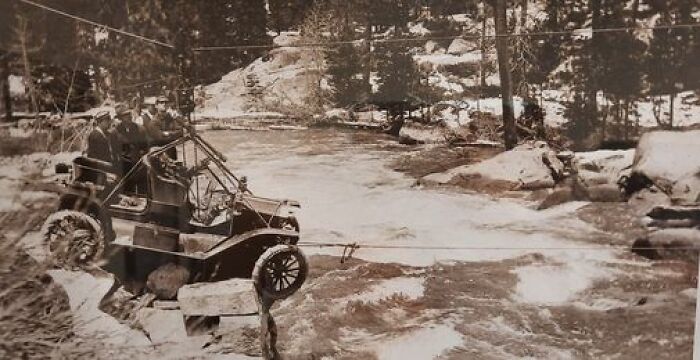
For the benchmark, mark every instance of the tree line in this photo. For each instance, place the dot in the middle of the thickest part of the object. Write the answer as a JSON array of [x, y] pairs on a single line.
[[603, 75]]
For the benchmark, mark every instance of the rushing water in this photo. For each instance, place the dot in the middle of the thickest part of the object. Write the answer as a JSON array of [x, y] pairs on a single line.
[[349, 194]]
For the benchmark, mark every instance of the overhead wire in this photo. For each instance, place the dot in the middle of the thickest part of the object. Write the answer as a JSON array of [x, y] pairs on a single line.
[[577, 32], [493, 248], [96, 24]]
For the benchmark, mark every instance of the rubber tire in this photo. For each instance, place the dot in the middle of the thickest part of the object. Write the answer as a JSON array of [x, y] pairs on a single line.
[[85, 220], [263, 260]]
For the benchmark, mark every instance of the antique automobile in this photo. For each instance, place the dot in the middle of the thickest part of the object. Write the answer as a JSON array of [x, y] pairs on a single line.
[[177, 210]]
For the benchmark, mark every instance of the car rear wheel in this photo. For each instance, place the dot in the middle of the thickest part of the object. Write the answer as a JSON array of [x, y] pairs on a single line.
[[280, 271], [73, 239]]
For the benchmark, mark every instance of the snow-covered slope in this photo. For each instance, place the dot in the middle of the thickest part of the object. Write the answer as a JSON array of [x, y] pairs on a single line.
[[284, 76]]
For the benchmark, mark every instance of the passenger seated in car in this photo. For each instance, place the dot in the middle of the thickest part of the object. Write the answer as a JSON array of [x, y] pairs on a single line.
[[98, 145]]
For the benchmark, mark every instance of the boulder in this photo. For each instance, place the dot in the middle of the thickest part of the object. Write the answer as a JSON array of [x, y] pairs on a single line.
[[411, 134], [608, 165], [165, 281], [528, 166], [458, 47], [686, 191], [230, 297], [605, 193], [670, 160], [431, 46], [162, 325], [669, 244], [646, 199], [592, 178]]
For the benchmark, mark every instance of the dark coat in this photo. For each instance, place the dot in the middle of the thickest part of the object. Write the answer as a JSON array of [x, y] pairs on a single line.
[[132, 139], [99, 146]]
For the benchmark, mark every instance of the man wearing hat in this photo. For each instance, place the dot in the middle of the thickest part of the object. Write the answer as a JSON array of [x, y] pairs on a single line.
[[160, 129], [131, 137], [98, 143], [132, 145]]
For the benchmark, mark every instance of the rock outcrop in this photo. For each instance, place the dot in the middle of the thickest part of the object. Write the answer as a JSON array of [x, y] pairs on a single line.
[[529, 166]]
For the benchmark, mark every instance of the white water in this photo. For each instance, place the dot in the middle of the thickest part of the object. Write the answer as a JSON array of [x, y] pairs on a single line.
[[348, 194]]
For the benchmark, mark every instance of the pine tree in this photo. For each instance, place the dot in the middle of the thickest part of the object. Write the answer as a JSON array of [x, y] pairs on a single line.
[[670, 59], [345, 70]]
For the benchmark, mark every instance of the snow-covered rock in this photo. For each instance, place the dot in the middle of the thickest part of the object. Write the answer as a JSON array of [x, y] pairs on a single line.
[[603, 166], [431, 46], [459, 46], [337, 114], [670, 160], [524, 167], [422, 134], [286, 76]]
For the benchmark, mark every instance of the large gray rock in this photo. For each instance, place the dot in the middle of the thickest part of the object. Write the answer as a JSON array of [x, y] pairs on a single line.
[[528, 166], [162, 325], [459, 47], [670, 160], [230, 297], [670, 244], [603, 166]]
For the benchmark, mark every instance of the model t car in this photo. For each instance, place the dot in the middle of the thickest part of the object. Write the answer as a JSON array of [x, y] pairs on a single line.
[[177, 207]]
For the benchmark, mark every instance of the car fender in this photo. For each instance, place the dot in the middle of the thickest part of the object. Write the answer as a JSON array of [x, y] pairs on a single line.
[[263, 236]]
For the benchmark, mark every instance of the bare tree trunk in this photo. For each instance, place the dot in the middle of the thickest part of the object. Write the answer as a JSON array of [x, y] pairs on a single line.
[[510, 137], [5, 78], [29, 82], [626, 134], [482, 10], [672, 100]]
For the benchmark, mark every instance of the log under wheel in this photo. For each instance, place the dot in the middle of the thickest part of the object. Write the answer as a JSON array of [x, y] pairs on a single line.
[[280, 271], [73, 239]]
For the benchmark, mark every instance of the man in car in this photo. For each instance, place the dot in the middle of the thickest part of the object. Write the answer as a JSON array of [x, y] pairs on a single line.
[[98, 142], [162, 129], [132, 145]]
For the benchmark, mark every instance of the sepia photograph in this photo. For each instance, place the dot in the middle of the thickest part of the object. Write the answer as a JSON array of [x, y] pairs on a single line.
[[349, 179]]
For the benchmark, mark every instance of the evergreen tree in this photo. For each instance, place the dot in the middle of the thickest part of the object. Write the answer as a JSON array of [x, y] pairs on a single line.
[[345, 74], [670, 59], [398, 74], [288, 14]]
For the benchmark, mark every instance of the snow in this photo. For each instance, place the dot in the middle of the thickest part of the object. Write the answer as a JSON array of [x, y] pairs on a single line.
[[669, 157], [449, 59], [610, 163], [522, 166], [17, 87], [426, 343], [84, 295], [285, 76]]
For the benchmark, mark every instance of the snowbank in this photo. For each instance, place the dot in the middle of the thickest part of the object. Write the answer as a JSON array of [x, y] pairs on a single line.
[[670, 160]]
